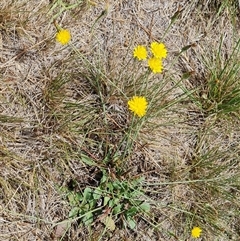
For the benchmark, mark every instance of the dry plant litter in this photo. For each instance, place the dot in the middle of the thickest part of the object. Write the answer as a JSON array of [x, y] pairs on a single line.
[[119, 120]]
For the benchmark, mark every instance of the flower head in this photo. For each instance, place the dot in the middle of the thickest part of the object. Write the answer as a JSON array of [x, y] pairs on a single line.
[[155, 65], [138, 105], [196, 232], [63, 36], [158, 50], [140, 52]]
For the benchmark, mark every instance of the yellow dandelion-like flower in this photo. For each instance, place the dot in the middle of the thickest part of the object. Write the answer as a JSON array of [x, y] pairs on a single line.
[[140, 52], [158, 50], [138, 105], [155, 65], [63, 36], [196, 232]]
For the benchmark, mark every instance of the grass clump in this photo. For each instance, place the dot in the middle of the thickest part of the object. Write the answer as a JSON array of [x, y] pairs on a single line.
[[111, 136], [213, 166], [220, 92], [110, 131], [219, 6], [58, 7]]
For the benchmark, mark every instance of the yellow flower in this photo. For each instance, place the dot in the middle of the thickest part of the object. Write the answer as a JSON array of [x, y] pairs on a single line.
[[140, 52], [138, 105], [155, 65], [63, 36], [196, 232], [158, 50]]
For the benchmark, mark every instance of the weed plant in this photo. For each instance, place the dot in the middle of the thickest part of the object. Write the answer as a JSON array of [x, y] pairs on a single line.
[[98, 122]]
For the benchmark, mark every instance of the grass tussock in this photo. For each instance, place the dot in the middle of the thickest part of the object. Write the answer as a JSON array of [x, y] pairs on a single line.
[[116, 125]]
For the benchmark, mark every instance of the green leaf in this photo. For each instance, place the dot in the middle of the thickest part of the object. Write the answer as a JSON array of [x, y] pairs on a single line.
[[137, 203], [109, 223], [97, 193], [131, 212], [117, 209], [135, 194], [116, 201], [87, 193], [131, 223], [110, 186], [74, 212], [111, 203], [104, 177], [92, 203], [84, 208], [105, 200], [145, 207], [128, 195], [88, 219], [116, 185], [74, 198], [87, 160]]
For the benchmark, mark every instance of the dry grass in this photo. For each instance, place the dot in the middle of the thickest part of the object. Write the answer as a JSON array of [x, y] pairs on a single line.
[[59, 104]]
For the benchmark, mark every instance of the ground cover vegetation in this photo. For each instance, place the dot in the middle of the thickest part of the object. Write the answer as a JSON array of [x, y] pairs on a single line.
[[119, 120]]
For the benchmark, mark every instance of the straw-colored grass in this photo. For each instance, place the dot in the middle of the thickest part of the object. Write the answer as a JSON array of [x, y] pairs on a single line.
[[76, 163]]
